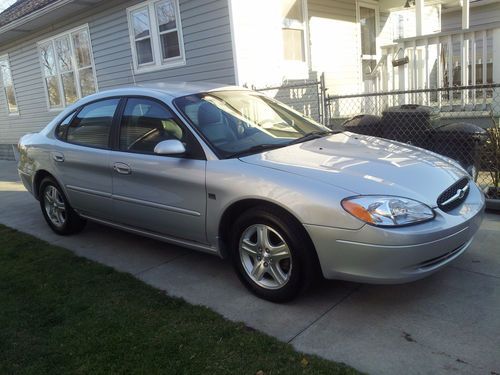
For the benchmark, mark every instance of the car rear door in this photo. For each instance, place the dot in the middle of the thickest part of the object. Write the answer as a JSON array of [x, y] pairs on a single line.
[[157, 193], [81, 160]]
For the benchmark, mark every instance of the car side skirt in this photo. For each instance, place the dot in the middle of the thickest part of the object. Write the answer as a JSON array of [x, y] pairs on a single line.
[[172, 240]]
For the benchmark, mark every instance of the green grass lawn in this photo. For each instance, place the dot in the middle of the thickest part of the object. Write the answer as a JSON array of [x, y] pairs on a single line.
[[63, 314]]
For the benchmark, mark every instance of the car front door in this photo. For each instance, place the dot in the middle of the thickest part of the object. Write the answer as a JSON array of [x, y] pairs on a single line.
[[81, 159], [158, 193]]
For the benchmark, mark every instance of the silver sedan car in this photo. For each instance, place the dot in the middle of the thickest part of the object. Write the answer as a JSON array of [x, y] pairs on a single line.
[[231, 172]]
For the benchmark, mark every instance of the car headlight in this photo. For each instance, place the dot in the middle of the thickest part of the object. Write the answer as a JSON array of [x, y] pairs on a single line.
[[387, 211]]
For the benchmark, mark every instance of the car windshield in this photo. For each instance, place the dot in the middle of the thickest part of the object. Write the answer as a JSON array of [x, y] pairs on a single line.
[[236, 123]]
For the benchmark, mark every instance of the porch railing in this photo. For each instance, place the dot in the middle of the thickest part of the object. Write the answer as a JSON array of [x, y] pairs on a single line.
[[446, 59]]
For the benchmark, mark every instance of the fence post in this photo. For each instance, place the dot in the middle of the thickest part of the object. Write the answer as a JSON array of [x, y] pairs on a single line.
[[401, 73], [325, 118]]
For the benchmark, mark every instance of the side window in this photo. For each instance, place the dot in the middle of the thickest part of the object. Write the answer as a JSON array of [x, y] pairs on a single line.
[[61, 128], [144, 124], [92, 125]]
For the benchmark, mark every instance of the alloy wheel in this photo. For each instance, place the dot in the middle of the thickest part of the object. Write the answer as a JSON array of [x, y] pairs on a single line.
[[265, 256], [54, 206]]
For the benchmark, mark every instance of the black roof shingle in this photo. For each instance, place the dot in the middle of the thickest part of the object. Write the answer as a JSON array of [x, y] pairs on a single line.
[[22, 8]]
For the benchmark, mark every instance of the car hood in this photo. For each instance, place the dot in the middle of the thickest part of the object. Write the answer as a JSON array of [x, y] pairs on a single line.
[[366, 165]]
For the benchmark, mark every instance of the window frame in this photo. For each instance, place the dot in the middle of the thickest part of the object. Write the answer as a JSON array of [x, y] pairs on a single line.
[[9, 112], [194, 148], [296, 69], [76, 71], [369, 4], [158, 63]]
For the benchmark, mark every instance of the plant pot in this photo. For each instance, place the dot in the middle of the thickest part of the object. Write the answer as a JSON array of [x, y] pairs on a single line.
[[492, 194]]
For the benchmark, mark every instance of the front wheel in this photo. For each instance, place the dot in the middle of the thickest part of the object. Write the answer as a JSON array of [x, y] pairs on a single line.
[[272, 254]]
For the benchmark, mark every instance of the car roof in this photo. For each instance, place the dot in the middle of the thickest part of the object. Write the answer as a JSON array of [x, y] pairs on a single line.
[[176, 89], [171, 89]]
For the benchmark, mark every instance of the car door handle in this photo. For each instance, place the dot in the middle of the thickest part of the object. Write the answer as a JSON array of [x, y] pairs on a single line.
[[122, 168], [58, 157]]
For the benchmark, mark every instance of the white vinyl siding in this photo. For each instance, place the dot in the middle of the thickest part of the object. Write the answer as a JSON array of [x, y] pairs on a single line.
[[8, 86], [67, 67], [479, 15], [335, 44], [156, 35]]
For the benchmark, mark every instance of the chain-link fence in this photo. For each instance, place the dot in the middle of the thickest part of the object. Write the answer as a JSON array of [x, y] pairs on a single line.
[[305, 96], [460, 122]]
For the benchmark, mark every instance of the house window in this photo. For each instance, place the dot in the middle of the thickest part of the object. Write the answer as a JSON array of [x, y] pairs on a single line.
[[156, 35], [68, 67], [293, 30], [8, 85]]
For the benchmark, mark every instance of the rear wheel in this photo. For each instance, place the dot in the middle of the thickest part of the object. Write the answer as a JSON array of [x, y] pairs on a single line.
[[272, 254], [56, 209]]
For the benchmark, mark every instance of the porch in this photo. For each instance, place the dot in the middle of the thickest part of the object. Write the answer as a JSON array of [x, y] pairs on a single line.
[[462, 54], [448, 59]]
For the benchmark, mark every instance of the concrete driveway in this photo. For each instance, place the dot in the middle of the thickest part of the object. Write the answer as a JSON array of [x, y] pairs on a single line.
[[448, 323]]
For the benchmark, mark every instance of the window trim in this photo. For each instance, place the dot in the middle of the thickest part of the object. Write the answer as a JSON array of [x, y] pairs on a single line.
[[7, 60], [52, 40], [370, 4], [295, 69], [158, 62]]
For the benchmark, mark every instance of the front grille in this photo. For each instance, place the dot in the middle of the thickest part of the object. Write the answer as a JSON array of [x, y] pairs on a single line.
[[454, 195]]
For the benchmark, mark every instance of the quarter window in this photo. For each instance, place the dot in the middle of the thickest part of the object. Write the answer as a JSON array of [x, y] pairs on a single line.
[[68, 67], [8, 85], [92, 125], [155, 33], [61, 128], [145, 123]]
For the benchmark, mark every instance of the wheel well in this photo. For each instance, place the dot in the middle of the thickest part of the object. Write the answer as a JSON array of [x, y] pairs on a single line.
[[236, 209], [39, 176]]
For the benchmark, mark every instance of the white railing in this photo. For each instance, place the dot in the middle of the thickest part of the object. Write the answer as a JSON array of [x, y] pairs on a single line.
[[436, 61]]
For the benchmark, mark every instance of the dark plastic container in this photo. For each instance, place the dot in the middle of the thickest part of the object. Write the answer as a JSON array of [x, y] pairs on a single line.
[[410, 123], [460, 141], [364, 124]]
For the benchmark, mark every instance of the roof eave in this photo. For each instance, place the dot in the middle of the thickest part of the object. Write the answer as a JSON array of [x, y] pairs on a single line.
[[33, 15]]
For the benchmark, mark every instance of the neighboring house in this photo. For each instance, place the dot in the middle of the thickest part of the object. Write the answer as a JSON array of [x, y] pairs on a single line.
[[53, 52]]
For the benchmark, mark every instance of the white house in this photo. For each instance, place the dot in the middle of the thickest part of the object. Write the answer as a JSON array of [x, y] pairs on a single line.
[[53, 52]]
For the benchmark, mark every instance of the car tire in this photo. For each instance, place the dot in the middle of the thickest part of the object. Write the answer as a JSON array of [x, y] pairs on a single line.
[[272, 275], [56, 209]]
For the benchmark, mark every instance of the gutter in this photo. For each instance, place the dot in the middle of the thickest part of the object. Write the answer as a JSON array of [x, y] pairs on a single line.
[[33, 15]]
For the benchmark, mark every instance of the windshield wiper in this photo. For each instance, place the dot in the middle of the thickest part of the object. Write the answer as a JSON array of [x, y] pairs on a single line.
[[313, 135], [255, 149]]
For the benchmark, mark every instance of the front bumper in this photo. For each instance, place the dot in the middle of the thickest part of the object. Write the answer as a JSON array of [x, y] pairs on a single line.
[[397, 255]]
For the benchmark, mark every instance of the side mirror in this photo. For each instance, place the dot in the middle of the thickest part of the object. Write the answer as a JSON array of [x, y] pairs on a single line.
[[170, 147]]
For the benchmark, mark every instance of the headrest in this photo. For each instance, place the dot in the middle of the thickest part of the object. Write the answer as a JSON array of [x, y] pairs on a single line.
[[150, 122], [208, 114]]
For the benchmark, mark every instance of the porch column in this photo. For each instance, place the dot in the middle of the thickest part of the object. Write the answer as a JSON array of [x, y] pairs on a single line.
[[496, 72], [465, 51], [417, 73], [465, 14], [419, 16]]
